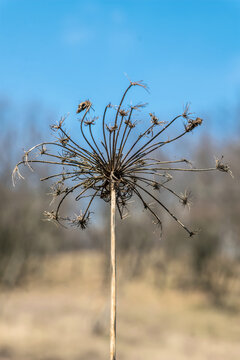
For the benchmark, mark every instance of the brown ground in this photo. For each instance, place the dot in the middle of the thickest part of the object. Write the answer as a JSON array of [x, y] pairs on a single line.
[[63, 314]]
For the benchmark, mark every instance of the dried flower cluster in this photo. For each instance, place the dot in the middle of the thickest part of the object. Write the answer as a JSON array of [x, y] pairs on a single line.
[[94, 166]]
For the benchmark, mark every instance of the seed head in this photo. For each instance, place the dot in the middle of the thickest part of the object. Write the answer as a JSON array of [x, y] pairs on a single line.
[[85, 105], [223, 167], [89, 168]]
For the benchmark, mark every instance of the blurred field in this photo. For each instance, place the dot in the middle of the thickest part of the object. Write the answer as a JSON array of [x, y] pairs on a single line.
[[61, 312]]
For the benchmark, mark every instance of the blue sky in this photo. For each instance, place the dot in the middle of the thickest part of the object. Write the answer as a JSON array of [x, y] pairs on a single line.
[[60, 52]]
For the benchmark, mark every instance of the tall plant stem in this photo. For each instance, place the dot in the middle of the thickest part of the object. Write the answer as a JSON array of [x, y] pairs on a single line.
[[113, 276]]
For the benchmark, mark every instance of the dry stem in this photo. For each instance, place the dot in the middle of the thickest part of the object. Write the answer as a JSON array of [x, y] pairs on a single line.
[[113, 276]]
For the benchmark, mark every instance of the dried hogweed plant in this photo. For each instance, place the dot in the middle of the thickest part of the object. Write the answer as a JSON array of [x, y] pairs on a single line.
[[113, 170]]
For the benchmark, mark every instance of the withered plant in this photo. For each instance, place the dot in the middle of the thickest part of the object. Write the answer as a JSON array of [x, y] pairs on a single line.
[[112, 168]]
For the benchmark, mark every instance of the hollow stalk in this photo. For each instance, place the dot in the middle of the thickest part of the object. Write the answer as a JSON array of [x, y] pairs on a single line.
[[113, 276]]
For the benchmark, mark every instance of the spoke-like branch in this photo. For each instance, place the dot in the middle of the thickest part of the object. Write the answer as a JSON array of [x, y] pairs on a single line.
[[153, 138], [89, 204], [191, 233], [63, 175], [156, 185], [104, 131], [142, 169], [83, 152], [142, 154], [123, 136], [64, 197], [98, 150], [146, 206], [82, 132]]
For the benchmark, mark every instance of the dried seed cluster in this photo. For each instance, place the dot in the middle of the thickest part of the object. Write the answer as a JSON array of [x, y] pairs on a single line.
[[94, 166]]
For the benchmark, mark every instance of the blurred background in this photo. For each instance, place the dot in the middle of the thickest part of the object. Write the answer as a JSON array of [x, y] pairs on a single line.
[[178, 296]]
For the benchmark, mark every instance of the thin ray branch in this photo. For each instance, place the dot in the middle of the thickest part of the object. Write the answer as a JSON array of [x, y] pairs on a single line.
[[191, 233], [146, 206], [153, 138]]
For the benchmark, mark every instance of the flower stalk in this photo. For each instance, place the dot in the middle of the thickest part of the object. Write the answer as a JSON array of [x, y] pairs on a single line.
[[113, 276]]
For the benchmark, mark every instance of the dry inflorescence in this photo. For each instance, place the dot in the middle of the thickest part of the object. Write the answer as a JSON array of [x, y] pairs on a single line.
[[93, 167]]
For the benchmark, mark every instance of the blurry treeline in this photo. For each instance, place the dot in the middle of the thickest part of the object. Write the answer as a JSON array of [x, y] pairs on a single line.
[[209, 261]]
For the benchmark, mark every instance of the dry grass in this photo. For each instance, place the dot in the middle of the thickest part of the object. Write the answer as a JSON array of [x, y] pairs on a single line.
[[63, 313]]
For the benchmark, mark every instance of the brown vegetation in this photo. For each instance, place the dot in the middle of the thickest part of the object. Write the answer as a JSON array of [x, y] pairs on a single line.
[[62, 312], [207, 263]]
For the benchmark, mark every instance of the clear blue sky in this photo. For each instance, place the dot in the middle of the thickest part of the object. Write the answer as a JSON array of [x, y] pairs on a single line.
[[59, 52]]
